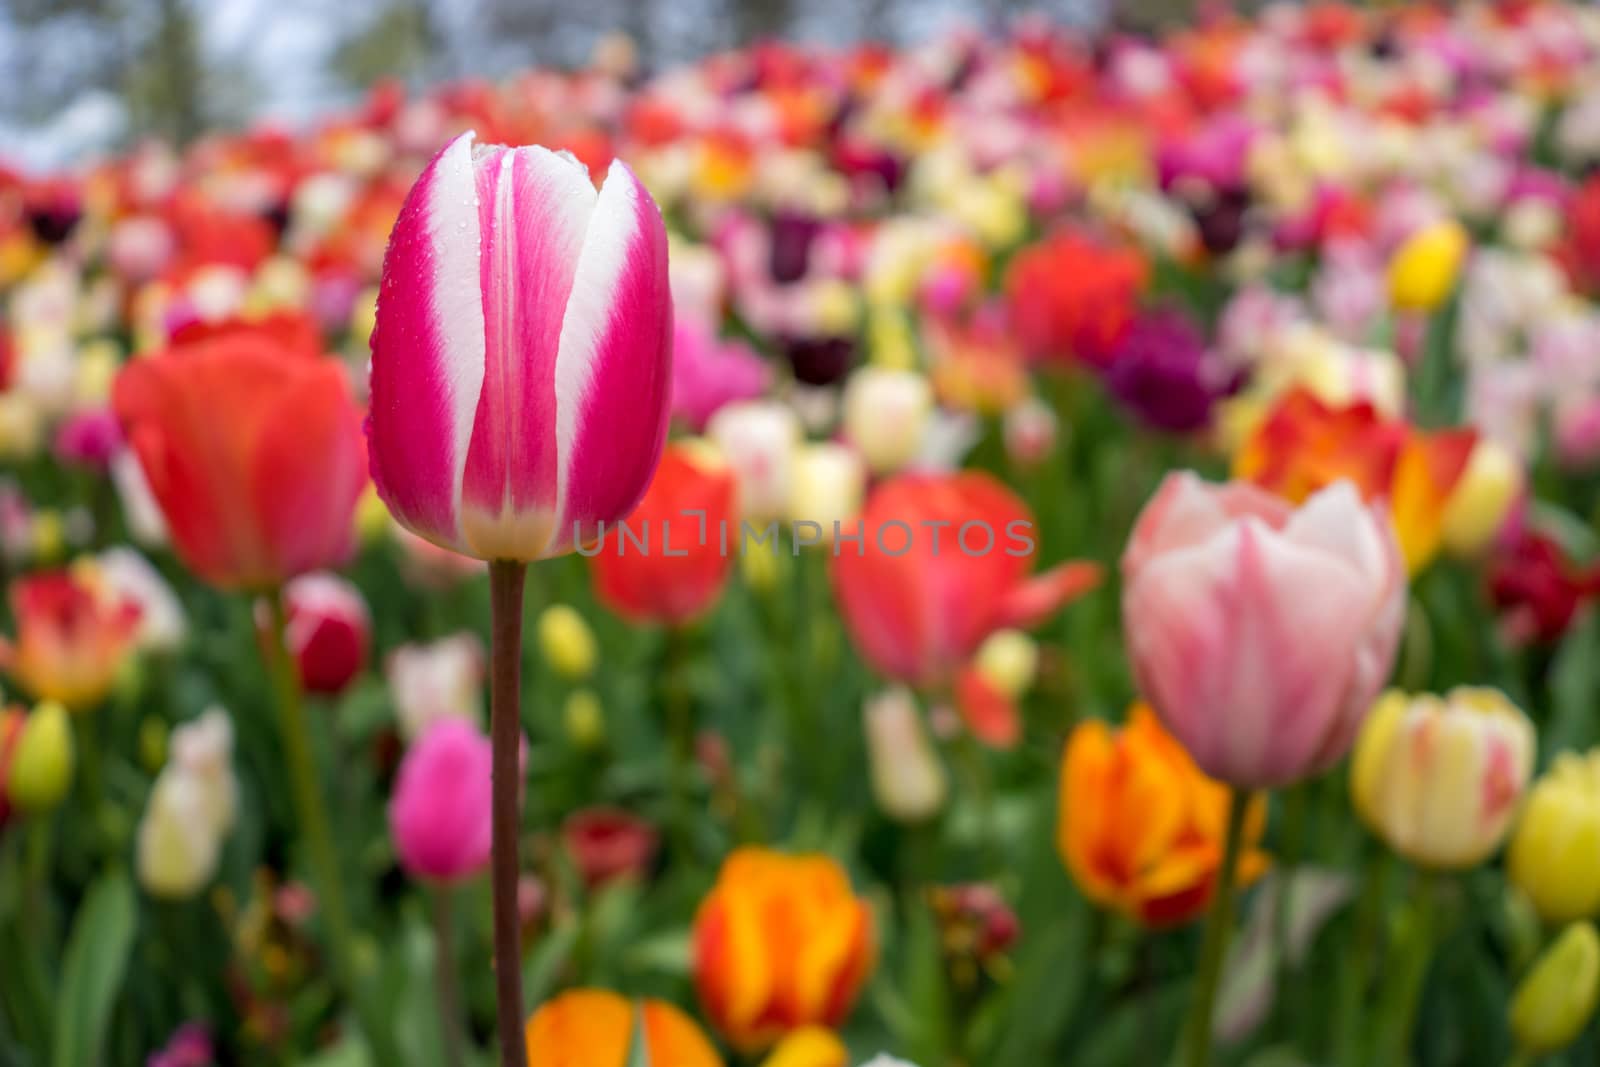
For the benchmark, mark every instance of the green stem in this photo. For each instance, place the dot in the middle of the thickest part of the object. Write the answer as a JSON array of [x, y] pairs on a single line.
[[506, 583], [306, 793], [444, 977], [1402, 997], [1354, 971], [1289, 855], [1219, 925]]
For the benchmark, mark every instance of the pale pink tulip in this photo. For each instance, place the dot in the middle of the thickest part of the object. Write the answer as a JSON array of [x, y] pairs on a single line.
[[521, 362], [1259, 632]]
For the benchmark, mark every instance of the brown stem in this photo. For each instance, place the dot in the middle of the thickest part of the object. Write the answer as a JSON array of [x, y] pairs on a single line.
[[505, 733]]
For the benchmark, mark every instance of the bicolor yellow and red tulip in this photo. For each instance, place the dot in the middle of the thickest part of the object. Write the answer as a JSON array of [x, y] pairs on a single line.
[[1306, 444], [595, 1028], [72, 638], [1141, 827], [943, 564], [522, 354], [1554, 849], [253, 450], [1260, 633], [1439, 778], [781, 942], [671, 560]]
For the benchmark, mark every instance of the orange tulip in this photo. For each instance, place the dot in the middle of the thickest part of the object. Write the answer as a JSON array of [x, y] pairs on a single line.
[[594, 1028], [780, 943], [1305, 444], [1141, 827], [253, 448], [73, 635], [809, 1046]]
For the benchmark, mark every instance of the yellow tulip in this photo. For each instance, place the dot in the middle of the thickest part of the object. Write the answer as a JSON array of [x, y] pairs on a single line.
[[567, 642], [1554, 1002], [41, 768], [1478, 505], [1423, 272], [1556, 844]]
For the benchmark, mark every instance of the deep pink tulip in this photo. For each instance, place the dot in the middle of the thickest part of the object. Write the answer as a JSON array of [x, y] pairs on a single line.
[[329, 632], [521, 362], [1259, 632], [439, 813]]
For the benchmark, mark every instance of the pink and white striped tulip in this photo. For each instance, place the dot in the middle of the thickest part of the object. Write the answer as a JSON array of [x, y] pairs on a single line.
[[521, 361], [1261, 633]]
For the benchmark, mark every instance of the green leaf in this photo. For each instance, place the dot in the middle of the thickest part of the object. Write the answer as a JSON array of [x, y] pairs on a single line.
[[638, 1046], [96, 959]]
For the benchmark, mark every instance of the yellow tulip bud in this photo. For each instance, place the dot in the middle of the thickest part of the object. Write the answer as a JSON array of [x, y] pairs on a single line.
[[49, 534], [1423, 272], [41, 768], [908, 781], [1478, 505], [585, 719], [809, 1046], [372, 517], [1008, 660], [827, 483], [761, 565], [1553, 852], [152, 744], [889, 339], [567, 642], [1554, 1002], [1439, 778]]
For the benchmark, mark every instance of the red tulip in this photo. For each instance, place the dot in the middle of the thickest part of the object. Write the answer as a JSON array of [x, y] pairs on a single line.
[[919, 615], [253, 450], [329, 632], [667, 563], [607, 844]]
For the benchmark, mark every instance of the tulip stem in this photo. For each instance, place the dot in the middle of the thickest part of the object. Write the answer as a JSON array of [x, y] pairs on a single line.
[[506, 581], [1219, 925], [1402, 994], [444, 976], [306, 794]]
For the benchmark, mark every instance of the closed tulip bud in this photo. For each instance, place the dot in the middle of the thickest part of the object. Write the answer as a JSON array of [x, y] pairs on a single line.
[[522, 353], [1439, 778], [596, 1028], [1030, 429], [886, 415], [1258, 632], [1009, 660], [761, 565], [1482, 499], [567, 642], [1423, 272], [908, 781], [152, 743], [1556, 843], [191, 809], [828, 485], [439, 813], [800, 964], [329, 631], [41, 766], [759, 439], [585, 719], [810, 1046], [1555, 1001]]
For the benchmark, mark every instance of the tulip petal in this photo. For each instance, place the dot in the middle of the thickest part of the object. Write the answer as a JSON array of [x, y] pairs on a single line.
[[428, 349], [613, 369], [534, 207]]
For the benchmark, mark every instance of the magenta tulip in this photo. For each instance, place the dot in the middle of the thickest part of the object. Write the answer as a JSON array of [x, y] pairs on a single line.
[[521, 359], [439, 813], [1259, 632]]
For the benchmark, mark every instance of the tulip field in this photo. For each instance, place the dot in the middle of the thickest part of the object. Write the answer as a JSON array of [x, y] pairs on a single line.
[[1033, 547]]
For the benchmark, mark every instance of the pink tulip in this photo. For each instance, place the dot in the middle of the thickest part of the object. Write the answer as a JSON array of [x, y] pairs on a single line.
[[521, 361], [439, 813], [1259, 632]]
